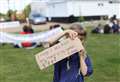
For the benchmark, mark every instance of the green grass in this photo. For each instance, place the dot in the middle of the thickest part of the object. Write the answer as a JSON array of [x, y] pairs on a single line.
[[19, 65]]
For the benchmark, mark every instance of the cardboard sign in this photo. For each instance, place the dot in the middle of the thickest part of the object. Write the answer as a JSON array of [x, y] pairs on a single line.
[[58, 52]]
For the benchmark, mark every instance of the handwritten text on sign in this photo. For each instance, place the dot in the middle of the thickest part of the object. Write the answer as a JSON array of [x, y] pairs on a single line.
[[58, 52]]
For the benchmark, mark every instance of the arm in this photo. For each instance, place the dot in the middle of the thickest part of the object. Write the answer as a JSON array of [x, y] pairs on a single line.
[[85, 64], [70, 33], [89, 66]]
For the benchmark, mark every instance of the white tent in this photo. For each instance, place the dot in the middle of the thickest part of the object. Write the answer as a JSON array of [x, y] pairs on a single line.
[[65, 8]]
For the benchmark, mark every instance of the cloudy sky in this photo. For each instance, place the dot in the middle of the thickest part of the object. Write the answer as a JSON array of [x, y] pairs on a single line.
[[13, 4]]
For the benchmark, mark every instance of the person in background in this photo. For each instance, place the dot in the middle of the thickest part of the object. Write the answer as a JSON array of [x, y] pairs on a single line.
[[115, 26], [114, 17], [55, 26], [27, 29], [107, 29], [77, 66], [98, 29], [118, 22]]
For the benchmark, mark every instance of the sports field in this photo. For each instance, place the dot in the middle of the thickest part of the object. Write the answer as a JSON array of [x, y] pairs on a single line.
[[19, 65]]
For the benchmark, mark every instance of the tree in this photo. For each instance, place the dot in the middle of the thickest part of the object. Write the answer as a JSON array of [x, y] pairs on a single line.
[[27, 10], [81, 19], [11, 14], [1, 14]]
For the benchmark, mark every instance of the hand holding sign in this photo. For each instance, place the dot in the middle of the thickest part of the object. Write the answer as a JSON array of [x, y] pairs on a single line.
[[72, 34], [58, 52]]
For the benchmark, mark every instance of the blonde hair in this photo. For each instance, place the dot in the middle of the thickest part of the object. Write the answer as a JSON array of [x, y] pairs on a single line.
[[79, 28], [78, 24]]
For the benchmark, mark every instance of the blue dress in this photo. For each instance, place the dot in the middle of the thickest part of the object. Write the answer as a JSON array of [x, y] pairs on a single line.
[[71, 73]]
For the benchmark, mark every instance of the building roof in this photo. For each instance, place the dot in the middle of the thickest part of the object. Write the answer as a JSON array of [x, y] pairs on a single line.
[[62, 1], [74, 0]]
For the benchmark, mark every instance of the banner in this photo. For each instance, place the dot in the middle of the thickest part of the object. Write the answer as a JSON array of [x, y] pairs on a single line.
[[35, 37], [58, 52], [12, 24]]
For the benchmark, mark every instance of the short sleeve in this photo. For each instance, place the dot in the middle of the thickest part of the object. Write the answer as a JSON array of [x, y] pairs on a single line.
[[89, 66]]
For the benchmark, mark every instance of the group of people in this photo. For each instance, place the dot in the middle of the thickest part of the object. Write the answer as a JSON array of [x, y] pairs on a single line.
[[113, 26]]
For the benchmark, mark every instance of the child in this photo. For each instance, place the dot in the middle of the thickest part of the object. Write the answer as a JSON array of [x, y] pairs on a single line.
[[75, 67]]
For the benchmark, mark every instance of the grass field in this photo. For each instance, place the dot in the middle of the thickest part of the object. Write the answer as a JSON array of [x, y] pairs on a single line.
[[19, 65]]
